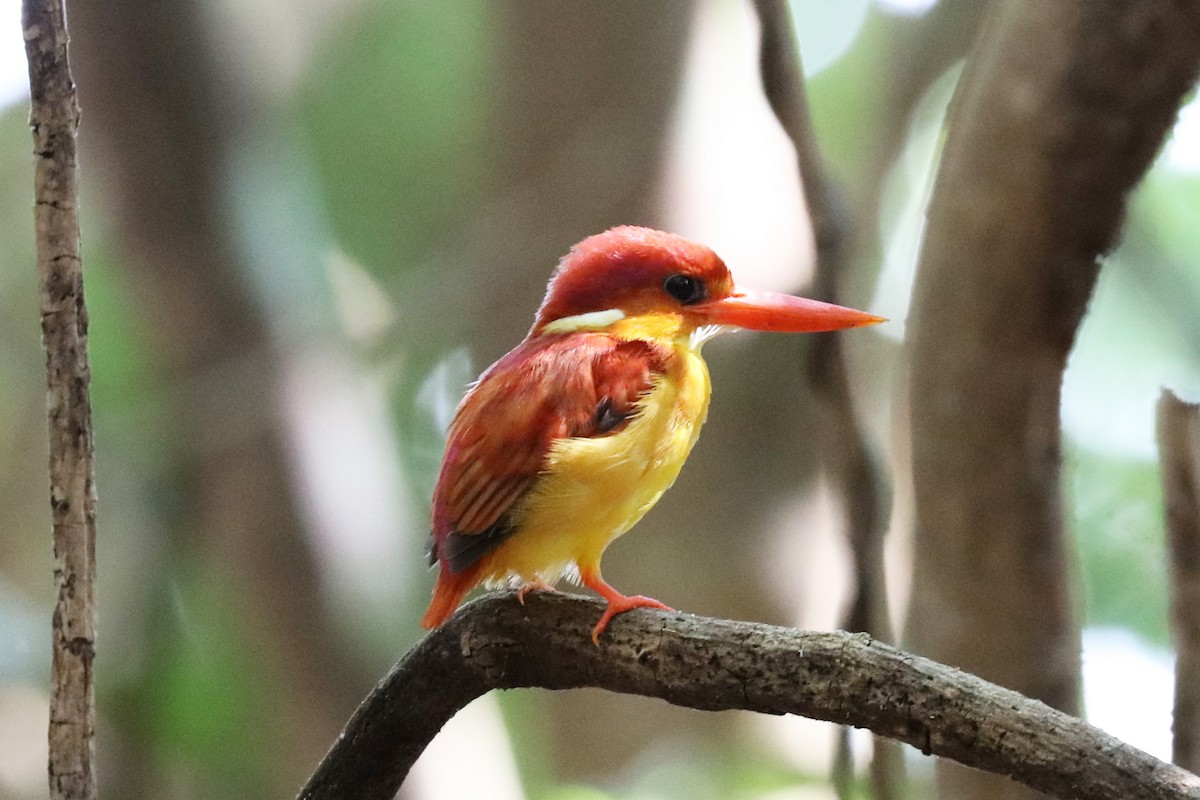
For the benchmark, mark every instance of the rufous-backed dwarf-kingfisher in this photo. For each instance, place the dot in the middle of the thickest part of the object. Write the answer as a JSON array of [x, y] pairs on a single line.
[[564, 443]]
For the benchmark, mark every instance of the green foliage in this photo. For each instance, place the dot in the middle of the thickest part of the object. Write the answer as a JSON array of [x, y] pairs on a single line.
[[1138, 337], [846, 101], [1115, 508], [1164, 233], [205, 685], [396, 109], [116, 340]]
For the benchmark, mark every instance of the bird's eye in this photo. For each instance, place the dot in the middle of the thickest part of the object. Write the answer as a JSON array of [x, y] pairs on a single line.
[[687, 289]]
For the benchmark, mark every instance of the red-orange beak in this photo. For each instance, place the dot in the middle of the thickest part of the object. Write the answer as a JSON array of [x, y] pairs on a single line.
[[783, 313]]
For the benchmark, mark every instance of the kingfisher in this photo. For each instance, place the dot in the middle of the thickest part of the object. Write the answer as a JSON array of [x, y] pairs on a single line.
[[569, 439]]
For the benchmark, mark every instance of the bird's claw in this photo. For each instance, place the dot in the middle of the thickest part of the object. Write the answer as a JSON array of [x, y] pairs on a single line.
[[620, 605], [537, 584]]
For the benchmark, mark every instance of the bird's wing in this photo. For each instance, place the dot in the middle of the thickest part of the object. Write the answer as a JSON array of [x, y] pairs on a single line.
[[578, 385]]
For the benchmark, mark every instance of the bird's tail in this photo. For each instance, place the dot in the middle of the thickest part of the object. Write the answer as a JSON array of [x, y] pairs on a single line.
[[447, 594]]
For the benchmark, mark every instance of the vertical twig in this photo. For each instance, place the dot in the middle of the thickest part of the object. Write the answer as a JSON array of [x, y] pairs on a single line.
[[1179, 453], [844, 449], [54, 117]]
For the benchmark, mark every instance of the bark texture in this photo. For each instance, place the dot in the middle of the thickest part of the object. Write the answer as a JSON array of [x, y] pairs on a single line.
[[1061, 109], [1179, 452], [713, 665], [54, 117]]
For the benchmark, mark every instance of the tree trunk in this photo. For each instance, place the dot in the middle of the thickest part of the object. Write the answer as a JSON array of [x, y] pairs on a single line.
[[1061, 109]]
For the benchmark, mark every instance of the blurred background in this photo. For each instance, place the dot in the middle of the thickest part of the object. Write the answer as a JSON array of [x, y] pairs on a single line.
[[309, 224]]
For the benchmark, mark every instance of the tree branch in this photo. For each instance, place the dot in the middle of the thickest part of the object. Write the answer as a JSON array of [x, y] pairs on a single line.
[[1179, 452], [714, 665], [54, 117]]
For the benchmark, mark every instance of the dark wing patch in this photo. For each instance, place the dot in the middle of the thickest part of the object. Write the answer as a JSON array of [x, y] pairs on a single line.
[[607, 417], [461, 550], [578, 385], [622, 376]]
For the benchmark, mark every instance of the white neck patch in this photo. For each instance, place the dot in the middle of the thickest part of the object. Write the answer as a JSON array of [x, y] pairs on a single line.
[[591, 321], [702, 334]]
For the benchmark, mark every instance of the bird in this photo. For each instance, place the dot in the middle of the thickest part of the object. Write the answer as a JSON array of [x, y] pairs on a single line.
[[565, 442]]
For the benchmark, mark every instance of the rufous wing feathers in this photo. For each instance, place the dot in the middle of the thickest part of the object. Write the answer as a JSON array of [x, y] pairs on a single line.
[[548, 388]]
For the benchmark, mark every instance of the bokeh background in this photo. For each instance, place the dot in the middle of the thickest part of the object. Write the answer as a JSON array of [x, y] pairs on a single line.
[[309, 224]]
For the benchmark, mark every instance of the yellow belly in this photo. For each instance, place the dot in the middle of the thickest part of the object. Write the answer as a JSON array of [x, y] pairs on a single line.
[[595, 490]]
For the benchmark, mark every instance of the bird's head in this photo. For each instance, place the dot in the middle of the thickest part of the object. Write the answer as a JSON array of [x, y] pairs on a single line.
[[651, 284]]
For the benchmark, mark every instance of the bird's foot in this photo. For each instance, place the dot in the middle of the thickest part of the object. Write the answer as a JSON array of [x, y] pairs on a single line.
[[619, 604], [537, 584]]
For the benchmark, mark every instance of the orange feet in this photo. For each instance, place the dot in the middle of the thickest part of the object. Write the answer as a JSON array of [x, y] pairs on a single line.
[[619, 605], [617, 602], [535, 585]]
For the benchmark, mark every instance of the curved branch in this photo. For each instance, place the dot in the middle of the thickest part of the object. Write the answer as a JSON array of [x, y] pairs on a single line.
[[713, 665]]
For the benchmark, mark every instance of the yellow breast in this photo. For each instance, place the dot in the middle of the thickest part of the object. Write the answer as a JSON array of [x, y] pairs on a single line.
[[594, 490]]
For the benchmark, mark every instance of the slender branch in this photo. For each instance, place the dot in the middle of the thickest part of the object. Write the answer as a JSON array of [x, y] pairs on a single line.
[[1179, 451], [844, 448], [715, 665], [54, 117]]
